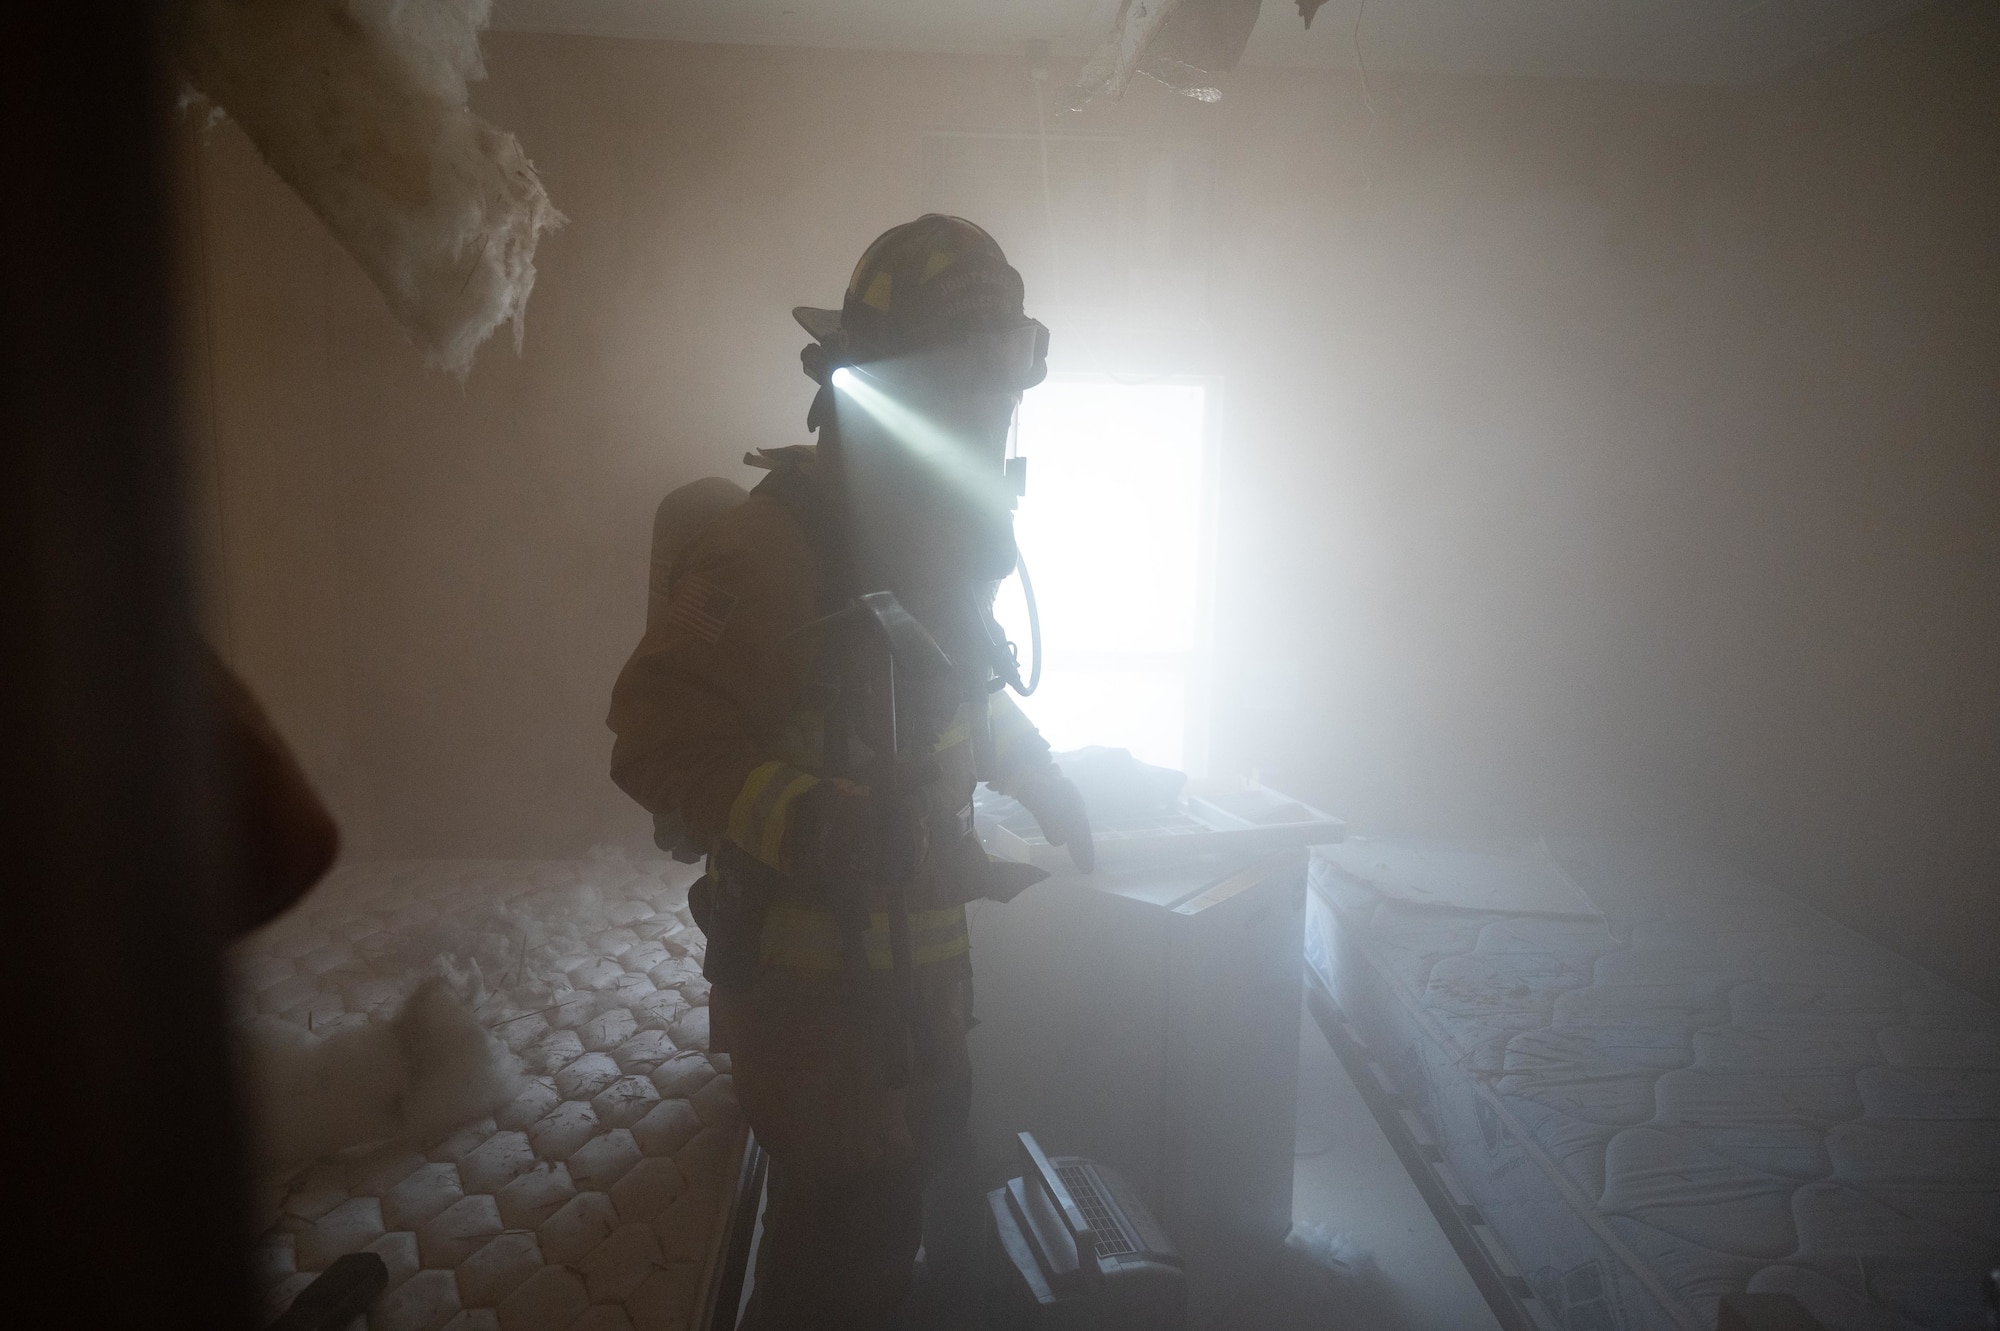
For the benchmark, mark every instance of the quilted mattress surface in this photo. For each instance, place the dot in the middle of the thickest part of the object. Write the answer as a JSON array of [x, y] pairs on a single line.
[[1704, 1088], [593, 1201]]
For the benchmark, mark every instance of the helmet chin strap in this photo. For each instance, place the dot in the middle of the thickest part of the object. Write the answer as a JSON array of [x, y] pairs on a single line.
[[820, 414], [819, 360]]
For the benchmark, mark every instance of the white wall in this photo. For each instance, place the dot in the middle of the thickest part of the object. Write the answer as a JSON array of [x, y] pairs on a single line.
[[1598, 455]]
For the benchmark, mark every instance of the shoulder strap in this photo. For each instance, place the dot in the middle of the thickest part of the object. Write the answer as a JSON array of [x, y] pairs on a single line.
[[799, 479]]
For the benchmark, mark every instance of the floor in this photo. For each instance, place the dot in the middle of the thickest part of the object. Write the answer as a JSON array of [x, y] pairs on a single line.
[[1392, 1268], [1349, 1181]]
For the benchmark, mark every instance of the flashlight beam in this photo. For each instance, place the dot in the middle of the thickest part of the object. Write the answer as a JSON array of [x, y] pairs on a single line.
[[929, 442]]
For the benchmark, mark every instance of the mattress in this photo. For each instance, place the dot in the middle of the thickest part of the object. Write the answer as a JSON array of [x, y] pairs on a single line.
[[594, 1200], [1696, 1086]]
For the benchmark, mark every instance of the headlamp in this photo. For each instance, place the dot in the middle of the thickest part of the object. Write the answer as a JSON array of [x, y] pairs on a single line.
[[1006, 360]]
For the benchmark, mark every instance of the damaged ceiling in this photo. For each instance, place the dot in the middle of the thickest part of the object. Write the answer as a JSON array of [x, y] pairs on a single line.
[[1688, 41]]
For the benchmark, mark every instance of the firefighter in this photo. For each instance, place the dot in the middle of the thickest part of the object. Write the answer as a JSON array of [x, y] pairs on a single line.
[[746, 719]]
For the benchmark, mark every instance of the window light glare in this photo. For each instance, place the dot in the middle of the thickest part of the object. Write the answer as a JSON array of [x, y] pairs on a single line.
[[1112, 527]]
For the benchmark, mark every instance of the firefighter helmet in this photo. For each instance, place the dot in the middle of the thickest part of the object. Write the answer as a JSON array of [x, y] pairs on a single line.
[[935, 282]]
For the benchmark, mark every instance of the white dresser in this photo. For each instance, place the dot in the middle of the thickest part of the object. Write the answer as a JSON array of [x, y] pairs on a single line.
[[1149, 1019]]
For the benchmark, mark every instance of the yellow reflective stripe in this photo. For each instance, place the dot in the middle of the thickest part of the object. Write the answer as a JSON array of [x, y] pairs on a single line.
[[877, 295], [810, 940], [773, 850], [960, 733], [757, 817], [742, 810]]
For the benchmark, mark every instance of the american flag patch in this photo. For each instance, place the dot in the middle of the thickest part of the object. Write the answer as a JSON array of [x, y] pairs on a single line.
[[700, 608]]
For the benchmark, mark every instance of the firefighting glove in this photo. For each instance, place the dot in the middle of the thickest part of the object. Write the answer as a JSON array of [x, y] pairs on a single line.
[[1059, 812], [830, 833]]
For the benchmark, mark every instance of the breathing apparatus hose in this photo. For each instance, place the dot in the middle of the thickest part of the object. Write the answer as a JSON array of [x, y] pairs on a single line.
[[1034, 631]]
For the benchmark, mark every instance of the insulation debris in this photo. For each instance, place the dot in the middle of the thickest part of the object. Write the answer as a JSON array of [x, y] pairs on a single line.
[[1181, 43], [360, 106], [609, 1163], [1117, 59], [429, 1069]]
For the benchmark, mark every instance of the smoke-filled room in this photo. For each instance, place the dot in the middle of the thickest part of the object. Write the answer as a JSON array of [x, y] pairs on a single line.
[[1063, 665]]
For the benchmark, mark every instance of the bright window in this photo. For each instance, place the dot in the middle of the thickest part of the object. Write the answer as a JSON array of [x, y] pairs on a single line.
[[1114, 533]]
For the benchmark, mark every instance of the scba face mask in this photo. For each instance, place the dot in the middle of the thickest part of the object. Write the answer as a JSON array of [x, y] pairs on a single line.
[[1006, 360]]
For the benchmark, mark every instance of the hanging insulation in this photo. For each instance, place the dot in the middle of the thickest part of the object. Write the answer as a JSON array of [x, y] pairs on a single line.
[[360, 105], [1117, 58], [1181, 43]]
